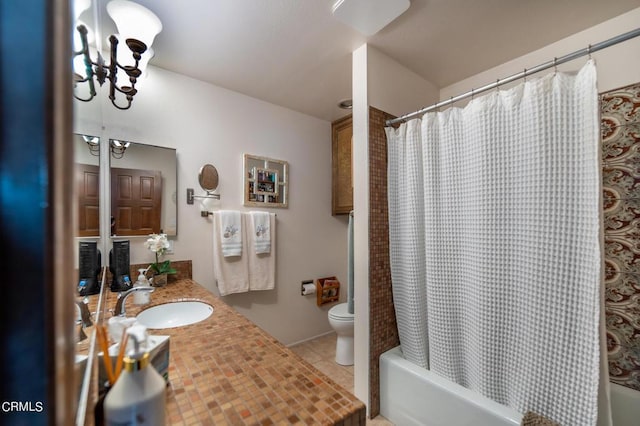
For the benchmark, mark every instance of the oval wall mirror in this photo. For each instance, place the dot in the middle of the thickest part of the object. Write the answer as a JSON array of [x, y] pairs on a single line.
[[208, 178]]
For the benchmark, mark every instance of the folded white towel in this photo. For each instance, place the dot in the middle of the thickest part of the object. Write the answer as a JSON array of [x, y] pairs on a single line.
[[259, 225], [231, 273], [230, 222], [262, 267]]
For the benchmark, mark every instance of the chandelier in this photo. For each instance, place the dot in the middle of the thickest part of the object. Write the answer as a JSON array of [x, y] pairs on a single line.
[[117, 147], [137, 26]]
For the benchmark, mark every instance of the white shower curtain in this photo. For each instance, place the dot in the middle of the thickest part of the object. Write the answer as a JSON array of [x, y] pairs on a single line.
[[494, 240]]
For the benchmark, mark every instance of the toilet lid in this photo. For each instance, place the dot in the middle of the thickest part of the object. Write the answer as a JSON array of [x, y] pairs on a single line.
[[340, 311]]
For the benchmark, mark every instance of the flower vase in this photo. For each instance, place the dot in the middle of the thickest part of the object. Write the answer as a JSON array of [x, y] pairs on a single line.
[[159, 280]]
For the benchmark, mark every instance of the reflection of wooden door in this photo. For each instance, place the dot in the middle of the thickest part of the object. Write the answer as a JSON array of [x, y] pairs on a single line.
[[136, 201], [87, 179]]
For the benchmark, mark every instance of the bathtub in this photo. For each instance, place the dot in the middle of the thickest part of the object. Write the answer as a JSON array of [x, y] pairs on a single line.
[[411, 395], [625, 406]]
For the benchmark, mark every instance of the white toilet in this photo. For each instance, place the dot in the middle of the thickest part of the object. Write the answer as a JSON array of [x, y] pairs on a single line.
[[342, 322]]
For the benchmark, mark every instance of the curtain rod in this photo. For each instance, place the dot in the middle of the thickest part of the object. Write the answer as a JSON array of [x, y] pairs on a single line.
[[553, 63]]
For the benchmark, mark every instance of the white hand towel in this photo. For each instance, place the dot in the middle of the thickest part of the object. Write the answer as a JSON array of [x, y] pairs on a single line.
[[230, 223], [231, 273], [262, 267], [259, 225]]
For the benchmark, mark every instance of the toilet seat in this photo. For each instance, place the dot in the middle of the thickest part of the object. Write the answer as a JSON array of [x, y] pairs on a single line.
[[340, 312], [342, 323]]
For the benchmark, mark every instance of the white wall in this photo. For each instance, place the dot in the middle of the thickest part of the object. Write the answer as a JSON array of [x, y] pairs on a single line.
[[383, 83], [617, 65], [361, 222], [394, 88], [208, 124]]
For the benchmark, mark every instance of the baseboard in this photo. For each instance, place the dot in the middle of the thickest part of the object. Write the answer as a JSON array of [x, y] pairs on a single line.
[[310, 338]]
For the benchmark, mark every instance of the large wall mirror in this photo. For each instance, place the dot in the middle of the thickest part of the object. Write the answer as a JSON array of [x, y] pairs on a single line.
[[86, 159], [140, 187], [86, 150], [143, 189]]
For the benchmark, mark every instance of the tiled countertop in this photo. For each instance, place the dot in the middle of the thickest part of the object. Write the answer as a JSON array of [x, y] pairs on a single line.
[[226, 370]]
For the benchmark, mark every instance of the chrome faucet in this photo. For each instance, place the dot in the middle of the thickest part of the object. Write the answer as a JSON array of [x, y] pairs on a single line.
[[83, 320], [122, 297], [85, 315]]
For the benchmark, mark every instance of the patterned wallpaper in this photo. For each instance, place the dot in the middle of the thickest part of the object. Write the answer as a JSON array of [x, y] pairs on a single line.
[[620, 111]]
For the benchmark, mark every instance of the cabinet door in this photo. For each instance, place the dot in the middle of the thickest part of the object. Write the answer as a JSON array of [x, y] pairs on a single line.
[[342, 191]]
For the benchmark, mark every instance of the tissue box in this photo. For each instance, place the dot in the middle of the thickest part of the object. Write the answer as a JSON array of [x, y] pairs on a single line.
[[158, 348]]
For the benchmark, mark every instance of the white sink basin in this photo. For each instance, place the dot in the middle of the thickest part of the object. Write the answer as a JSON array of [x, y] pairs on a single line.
[[174, 314]]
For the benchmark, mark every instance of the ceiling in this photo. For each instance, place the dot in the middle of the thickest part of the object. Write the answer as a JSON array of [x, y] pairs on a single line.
[[294, 53]]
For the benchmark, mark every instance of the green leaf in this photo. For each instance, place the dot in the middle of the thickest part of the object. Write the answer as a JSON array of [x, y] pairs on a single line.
[[163, 268]]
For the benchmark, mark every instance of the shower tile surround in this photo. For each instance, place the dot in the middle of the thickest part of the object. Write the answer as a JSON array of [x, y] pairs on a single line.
[[383, 331], [620, 115]]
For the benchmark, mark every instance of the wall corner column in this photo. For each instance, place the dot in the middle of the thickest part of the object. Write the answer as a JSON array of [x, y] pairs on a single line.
[[361, 221]]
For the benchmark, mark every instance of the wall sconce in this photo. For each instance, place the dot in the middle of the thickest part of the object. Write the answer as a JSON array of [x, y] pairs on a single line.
[[137, 26], [94, 144], [118, 148]]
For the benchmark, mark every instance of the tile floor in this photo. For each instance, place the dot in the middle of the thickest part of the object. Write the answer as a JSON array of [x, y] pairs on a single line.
[[321, 352]]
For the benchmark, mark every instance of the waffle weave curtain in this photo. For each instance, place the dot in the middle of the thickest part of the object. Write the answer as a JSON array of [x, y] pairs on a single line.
[[494, 239]]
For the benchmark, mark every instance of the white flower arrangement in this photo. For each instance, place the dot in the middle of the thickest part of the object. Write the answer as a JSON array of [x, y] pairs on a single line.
[[158, 244]]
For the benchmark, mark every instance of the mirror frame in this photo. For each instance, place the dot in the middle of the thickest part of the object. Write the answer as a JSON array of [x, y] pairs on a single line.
[[169, 195]]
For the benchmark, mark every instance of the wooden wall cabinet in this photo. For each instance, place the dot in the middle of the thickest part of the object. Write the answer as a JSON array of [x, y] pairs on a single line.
[[342, 177]]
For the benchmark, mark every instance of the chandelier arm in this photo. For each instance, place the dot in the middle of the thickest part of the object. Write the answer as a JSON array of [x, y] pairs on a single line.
[[127, 90], [128, 68], [129, 99], [84, 99], [88, 63], [113, 65]]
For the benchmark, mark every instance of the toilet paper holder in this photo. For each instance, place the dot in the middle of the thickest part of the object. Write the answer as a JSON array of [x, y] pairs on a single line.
[[307, 288]]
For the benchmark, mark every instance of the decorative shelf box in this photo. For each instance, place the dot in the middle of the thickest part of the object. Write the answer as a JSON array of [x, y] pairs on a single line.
[[327, 290]]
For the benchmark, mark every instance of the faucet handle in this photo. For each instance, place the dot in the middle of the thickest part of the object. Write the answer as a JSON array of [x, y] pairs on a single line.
[[85, 315], [80, 334], [122, 298]]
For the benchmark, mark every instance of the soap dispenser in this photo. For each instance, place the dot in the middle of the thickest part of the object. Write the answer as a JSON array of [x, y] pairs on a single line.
[[138, 397], [141, 297]]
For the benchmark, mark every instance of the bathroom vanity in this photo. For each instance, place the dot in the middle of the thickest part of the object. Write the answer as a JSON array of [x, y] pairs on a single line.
[[226, 370]]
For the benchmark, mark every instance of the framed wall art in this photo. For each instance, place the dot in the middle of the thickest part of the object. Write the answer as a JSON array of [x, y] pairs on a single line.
[[266, 182]]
